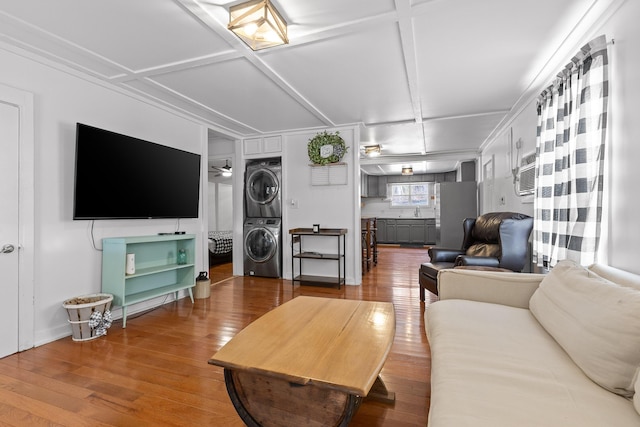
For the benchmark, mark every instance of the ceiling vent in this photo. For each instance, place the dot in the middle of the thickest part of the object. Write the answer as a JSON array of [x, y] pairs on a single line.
[[527, 175]]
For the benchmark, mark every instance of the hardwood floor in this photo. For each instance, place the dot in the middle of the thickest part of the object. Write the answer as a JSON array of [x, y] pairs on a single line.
[[155, 372]]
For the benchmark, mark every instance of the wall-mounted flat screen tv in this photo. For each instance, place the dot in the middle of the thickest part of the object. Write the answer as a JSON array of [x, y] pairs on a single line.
[[121, 177]]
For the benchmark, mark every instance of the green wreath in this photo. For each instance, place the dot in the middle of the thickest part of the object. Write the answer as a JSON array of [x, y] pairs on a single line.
[[325, 148]]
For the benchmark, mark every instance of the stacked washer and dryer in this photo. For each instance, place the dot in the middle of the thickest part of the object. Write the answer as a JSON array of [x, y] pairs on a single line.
[[263, 218]]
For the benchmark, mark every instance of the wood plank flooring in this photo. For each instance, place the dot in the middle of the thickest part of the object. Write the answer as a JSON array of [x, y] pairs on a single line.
[[155, 372]]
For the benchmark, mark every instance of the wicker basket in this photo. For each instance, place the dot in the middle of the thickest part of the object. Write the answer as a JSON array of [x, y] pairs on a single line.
[[80, 309]]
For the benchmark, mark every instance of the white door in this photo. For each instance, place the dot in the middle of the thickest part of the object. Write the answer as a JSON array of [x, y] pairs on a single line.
[[9, 285]]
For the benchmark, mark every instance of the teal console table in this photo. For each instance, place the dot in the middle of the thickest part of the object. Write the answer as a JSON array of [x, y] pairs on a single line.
[[157, 272]]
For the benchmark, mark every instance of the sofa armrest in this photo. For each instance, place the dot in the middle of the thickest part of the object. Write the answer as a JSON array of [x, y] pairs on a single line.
[[512, 289]]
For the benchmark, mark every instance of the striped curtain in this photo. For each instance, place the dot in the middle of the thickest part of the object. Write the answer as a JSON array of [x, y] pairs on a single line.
[[572, 124]]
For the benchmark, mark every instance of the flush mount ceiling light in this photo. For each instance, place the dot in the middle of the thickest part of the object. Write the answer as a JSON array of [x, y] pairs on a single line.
[[258, 24], [407, 170], [372, 150]]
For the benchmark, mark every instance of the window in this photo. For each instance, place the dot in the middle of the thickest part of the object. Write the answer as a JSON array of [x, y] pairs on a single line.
[[410, 195]]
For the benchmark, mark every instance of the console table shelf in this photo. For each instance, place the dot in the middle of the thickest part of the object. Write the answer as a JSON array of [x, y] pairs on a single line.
[[300, 254], [157, 272], [154, 270]]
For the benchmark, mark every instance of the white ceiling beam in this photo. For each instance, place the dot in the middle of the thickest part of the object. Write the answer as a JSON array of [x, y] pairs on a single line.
[[460, 155], [178, 66], [433, 119], [405, 25], [219, 26]]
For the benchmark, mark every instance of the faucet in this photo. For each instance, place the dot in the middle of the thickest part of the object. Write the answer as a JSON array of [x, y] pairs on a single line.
[[416, 213]]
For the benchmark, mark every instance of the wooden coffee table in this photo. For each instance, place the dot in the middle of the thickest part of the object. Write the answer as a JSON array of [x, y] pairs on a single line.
[[309, 362]]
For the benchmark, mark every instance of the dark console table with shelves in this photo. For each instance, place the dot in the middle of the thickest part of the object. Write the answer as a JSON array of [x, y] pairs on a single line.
[[299, 253]]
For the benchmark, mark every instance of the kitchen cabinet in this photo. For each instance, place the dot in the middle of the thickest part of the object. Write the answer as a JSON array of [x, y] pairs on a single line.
[[364, 185], [259, 147], [410, 231], [382, 186], [430, 229], [373, 186], [382, 230], [407, 230], [403, 232], [391, 231], [417, 231]]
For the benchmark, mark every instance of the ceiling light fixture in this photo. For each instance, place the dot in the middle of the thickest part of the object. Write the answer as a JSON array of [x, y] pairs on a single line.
[[258, 24], [372, 150], [407, 170], [226, 169]]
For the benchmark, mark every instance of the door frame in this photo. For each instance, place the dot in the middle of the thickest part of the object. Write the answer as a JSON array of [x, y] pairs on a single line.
[[26, 213]]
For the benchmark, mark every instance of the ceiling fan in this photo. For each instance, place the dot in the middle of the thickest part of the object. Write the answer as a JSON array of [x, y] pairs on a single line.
[[225, 171]]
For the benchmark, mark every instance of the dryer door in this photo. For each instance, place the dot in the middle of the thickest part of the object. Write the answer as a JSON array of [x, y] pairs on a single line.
[[260, 245], [262, 186]]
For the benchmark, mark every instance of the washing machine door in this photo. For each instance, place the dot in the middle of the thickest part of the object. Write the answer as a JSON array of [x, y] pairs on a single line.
[[262, 186], [260, 245]]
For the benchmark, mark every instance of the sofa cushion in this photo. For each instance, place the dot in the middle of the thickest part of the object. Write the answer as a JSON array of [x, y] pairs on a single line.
[[597, 323], [495, 366]]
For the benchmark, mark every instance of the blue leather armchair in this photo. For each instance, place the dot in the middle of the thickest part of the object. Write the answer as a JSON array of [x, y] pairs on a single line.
[[496, 240]]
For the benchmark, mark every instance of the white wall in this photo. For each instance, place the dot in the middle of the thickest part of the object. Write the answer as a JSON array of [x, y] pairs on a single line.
[[66, 264], [621, 226], [624, 153], [333, 206], [504, 156]]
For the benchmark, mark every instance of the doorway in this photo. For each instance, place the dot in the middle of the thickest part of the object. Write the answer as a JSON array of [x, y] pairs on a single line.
[[16, 220], [221, 150]]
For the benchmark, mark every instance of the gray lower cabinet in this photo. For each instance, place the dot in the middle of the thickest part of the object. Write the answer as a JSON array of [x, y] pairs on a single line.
[[410, 231], [417, 230], [403, 232], [413, 231], [391, 231], [381, 234], [430, 226]]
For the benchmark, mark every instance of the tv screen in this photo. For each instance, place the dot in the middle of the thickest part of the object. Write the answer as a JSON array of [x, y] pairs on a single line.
[[121, 177]]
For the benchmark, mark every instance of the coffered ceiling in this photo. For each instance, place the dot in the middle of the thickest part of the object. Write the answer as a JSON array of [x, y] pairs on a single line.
[[428, 80]]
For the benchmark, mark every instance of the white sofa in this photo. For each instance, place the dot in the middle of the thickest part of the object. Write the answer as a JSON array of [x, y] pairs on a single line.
[[512, 349]]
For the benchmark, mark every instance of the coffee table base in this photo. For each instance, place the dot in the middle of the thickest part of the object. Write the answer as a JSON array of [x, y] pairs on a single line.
[[262, 401]]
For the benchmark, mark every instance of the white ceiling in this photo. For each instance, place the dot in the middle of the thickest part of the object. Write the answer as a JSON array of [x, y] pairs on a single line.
[[428, 80]]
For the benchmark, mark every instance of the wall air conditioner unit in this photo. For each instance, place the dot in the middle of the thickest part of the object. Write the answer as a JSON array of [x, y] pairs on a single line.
[[527, 175]]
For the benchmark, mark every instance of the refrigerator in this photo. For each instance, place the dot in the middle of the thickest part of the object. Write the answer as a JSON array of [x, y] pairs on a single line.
[[455, 201]]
